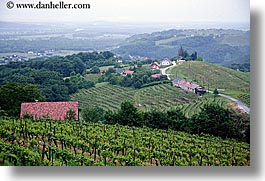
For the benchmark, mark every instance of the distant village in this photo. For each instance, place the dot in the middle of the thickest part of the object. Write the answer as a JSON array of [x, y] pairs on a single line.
[[21, 58], [177, 82]]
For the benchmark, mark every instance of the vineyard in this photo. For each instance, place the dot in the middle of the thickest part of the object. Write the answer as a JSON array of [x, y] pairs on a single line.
[[106, 96], [227, 81], [66, 143], [162, 97], [195, 107]]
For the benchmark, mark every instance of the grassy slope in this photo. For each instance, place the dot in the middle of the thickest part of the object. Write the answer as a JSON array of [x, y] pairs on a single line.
[[160, 97], [92, 77], [227, 81]]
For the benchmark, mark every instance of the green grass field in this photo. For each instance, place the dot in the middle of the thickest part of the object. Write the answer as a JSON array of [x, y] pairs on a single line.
[[92, 77], [227, 81]]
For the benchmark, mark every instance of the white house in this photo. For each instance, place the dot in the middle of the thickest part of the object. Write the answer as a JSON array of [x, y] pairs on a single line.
[[166, 61], [154, 66]]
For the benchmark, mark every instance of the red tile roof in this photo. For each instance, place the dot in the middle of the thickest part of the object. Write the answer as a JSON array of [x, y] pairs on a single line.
[[155, 63], [156, 76], [128, 72], [167, 59], [54, 110], [191, 85]]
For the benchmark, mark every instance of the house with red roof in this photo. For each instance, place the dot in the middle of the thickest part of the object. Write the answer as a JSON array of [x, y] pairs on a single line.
[[189, 86], [155, 66], [53, 110], [128, 72], [156, 76]]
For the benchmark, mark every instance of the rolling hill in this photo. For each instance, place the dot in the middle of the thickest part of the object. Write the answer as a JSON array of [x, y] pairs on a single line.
[[214, 45], [162, 97]]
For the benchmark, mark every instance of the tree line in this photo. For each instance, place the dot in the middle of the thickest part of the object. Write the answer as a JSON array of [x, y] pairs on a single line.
[[212, 119], [140, 78], [56, 78]]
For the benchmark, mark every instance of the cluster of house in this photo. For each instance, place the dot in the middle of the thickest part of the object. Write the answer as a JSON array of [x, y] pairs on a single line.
[[123, 71], [165, 62], [53, 110], [13, 58], [189, 86], [40, 54]]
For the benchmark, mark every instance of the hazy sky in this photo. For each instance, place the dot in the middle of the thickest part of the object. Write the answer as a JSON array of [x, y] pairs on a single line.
[[134, 11]]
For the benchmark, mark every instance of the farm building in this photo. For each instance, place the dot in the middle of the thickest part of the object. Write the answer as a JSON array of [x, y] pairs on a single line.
[[128, 72], [154, 66], [200, 90], [102, 71], [119, 70], [181, 59], [166, 61], [156, 76], [188, 86], [53, 110]]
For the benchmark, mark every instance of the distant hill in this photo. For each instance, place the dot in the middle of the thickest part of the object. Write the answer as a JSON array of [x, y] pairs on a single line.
[[214, 45]]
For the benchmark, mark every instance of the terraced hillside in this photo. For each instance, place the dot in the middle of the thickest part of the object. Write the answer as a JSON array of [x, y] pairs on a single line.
[[106, 96], [189, 109], [227, 81], [162, 97]]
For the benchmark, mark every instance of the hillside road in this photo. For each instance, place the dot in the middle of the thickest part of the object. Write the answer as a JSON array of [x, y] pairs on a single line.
[[240, 104], [163, 70]]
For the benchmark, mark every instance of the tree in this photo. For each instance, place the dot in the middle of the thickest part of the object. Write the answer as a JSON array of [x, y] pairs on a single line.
[[110, 71], [194, 56], [128, 114], [215, 92], [185, 54], [137, 84], [199, 59], [139, 64], [177, 120], [156, 119], [13, 94], [215, 120], [93, 114], [111, 117], [180, 51], [95, 70], [107, 54]]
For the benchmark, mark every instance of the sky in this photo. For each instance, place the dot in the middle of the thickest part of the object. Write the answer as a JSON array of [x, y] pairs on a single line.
[[133, 11]]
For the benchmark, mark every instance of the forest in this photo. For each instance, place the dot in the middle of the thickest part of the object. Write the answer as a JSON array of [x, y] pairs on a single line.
[[53, 79]]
